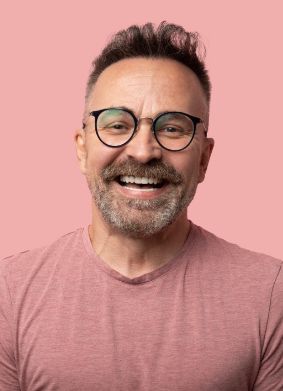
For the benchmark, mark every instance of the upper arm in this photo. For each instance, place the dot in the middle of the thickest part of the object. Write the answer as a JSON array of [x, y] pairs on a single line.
[[270, 375], [8, 370]]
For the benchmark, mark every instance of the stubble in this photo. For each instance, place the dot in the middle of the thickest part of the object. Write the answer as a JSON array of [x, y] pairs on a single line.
[[137, 217]]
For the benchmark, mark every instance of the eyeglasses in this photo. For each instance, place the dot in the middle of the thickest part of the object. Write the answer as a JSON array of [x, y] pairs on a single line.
[[174, 131]]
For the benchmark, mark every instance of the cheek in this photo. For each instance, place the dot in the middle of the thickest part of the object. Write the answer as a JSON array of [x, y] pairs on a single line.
[[99, 157], [186, 163]]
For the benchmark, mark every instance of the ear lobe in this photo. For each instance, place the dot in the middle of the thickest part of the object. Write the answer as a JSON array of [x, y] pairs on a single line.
[[81, 149], [206, 154]]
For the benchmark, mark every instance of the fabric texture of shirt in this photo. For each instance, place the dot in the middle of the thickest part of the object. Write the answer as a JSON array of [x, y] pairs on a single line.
[[211, 319]]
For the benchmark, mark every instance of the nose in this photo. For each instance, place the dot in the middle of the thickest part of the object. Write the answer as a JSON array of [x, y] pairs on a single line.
[[144, 147]]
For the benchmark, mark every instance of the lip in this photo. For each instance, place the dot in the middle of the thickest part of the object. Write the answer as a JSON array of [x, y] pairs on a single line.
[[139, 193]]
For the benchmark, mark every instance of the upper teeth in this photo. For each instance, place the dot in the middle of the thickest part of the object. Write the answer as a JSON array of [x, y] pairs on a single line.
[[139, 180]]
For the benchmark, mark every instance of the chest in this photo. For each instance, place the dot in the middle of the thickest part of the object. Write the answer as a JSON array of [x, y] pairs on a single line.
[[128, 342]]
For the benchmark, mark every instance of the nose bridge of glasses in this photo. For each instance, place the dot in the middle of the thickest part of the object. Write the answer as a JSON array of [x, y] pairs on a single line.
[[144, 145], [144, 131], [149, 119]]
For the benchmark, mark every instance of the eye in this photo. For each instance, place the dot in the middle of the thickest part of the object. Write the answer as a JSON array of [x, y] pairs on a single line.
[[117, 126], [115, 121], [170, 129]]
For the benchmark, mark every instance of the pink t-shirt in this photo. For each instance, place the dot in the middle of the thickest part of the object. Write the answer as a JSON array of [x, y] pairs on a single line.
[[209, 320]]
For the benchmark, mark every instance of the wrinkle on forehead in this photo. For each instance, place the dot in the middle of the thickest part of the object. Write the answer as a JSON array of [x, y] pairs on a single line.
[[149, 86]]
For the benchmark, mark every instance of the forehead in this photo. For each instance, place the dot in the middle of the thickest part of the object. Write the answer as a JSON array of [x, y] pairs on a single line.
[[148, 86]]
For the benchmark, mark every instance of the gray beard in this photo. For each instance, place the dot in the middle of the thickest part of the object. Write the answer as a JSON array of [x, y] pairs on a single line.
[[140, 218]]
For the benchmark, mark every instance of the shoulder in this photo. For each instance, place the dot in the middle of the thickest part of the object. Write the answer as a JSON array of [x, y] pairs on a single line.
[[218, 246], [234, 261], [249, 282], [31, 260]]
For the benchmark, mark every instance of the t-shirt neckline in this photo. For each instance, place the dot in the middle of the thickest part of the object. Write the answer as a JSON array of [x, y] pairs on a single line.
[[144, 278]]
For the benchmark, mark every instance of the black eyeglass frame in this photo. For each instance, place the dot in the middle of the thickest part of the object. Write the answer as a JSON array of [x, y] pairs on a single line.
[[195, 121]]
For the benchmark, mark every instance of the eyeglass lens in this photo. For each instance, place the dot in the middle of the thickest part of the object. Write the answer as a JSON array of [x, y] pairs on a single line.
[[173, 131]]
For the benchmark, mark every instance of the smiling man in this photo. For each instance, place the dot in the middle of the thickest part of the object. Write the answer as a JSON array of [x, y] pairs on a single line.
[[143, 150], [142, 298]]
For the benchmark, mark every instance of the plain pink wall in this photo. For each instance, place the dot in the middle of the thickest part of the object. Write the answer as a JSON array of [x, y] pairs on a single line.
[[46, 51]]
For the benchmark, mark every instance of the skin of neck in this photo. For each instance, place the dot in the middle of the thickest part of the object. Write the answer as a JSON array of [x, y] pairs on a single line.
[[133, 257]]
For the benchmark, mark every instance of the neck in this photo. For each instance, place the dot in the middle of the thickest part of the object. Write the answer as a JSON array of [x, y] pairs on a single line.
[[133, 257]]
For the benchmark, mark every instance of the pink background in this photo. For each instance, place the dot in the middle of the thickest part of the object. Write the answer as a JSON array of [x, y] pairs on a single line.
[[46, 51]]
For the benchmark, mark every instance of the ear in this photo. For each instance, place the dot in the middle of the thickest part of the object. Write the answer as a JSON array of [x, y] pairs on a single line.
[[205, 157], [81, 150]]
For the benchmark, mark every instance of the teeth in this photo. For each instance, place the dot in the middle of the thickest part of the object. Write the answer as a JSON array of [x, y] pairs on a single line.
[[139, 180]]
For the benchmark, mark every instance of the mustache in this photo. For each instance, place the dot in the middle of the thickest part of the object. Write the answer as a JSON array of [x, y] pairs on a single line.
[[154, 169]]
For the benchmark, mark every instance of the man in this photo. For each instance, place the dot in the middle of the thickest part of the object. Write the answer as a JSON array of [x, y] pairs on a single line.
[[142, 299]]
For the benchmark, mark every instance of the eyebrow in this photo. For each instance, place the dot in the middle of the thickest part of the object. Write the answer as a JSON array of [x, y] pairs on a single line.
[[154, 116]]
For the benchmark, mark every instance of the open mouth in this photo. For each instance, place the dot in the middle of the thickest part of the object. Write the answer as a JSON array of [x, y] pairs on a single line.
[[140, 182]]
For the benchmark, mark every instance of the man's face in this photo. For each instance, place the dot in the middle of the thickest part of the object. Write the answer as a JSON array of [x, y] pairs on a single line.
[[147, 87]]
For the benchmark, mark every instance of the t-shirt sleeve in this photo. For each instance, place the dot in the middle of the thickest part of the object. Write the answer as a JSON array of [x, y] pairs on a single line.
[[270, 375], [8, 371]]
